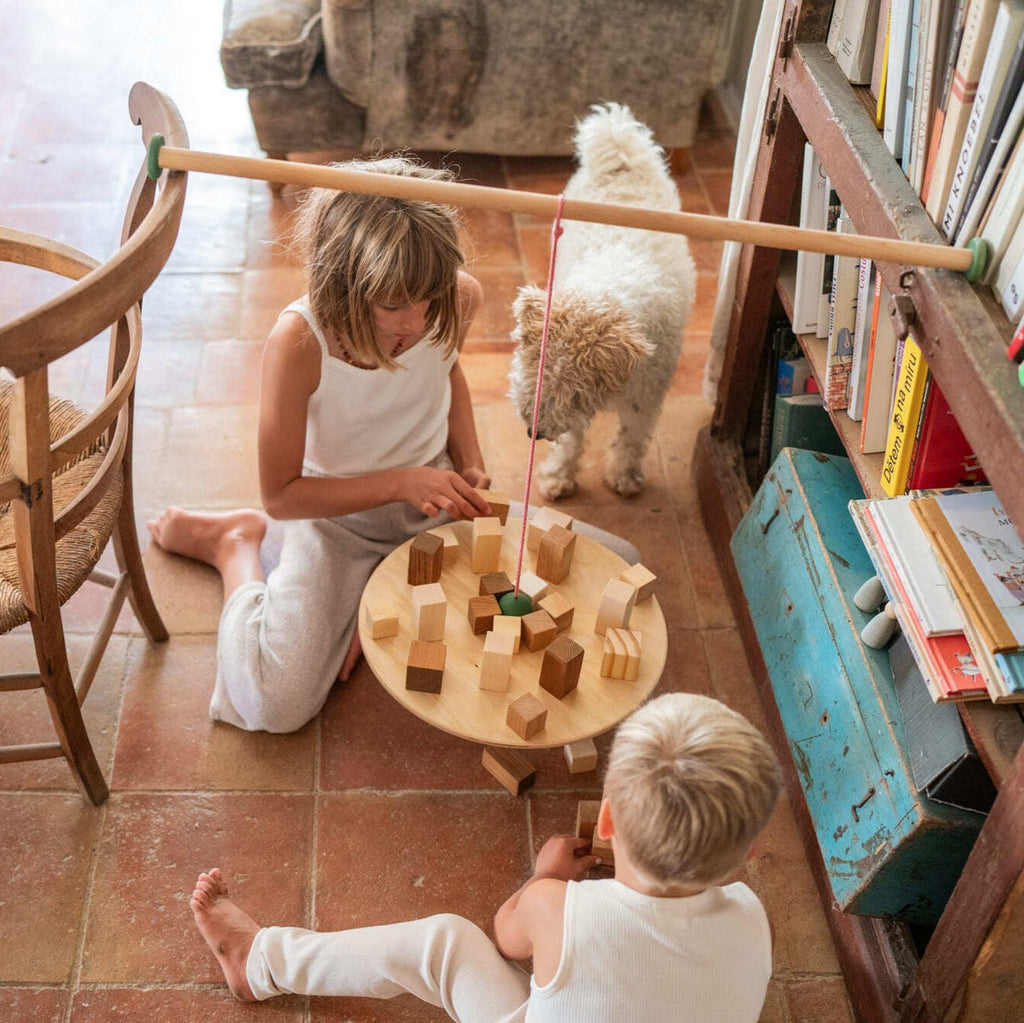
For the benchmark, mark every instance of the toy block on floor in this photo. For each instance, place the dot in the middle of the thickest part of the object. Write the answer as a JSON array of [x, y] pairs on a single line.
[[616, 606], [499, 503], [426, 559], [560, 609], [510, 624], [482, 612], [486, 550], [496, 663], [541, 522], [586, 827], [510, 768], [451, 544], [495, 584], [381, 620], [620, 657], [538, 630], [424, 668], [554, 556], [560, 669], [533, 586], [642, 578], [526, 715], [581, 756], [429, 609]]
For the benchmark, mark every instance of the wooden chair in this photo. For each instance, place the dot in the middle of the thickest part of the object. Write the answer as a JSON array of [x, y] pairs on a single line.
[[66, 473]]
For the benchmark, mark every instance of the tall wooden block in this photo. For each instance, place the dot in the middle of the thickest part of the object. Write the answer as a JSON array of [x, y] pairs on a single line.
[[499, 503], [541, 522], [554, 557], [495, 584], [512, 769], [482, 612], [560, 609], [620, 657], [616, 606], [429, 609], [533, 586], [511, 624], [424, 669], [526, 716], [586, 827], [451, 544], [560, 669], [426, 559], [538, 630], [496, 663], [642, 578], [581, 756], [381, 620], [486, 551]]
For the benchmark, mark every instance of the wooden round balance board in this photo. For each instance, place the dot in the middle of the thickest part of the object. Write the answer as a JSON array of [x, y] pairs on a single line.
[[462, 708]]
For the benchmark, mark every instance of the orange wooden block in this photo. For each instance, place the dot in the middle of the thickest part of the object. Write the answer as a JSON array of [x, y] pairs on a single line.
[[642, 578], [554, 558], [496, 663], [616, 606], [426, 559], [526, 715], [424, 668], [620, 657], [560, 609], [499, 503], [510, 624], [482, 612], [381, 620], [512, 769], [495, 584], [486, 550], [560, 669], [538, 630], [581, 756]]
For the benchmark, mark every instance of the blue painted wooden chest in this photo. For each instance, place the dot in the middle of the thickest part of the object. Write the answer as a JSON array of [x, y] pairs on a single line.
[[887, 849]]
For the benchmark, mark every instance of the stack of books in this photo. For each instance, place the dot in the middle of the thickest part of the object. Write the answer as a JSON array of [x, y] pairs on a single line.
[[953, 566]]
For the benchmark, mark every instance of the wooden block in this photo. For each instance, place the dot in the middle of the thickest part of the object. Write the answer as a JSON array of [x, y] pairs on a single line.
[[560, 609], [451, 544], [426, 559], [381, 620], [554, 557], [560, 669], [424, 668], [482, 612], [587, 811], [533, 586], [616, 606], [603, 848], [495, 584], [512, 769], [538, 630], [581, 756], [620, 657], [526, 715], [499, 503], [496, 663], [429, 609], [486, 550], [510, 624], [642, 578], [541, 522]]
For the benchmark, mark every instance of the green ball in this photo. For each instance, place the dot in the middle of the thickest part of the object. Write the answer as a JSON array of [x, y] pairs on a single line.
[[515, 606]]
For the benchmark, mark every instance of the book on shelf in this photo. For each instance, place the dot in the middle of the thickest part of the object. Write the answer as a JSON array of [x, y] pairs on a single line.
[[1004, 41], [881, 367], [810, 265], [914, 48], [981, 16], [842, 320], [900, 20], [879, 57], [1009, 282], [835, 26], [906, 409], [856, 47], [861, 338], [943, 457], [833, 208], [801, 421], [1004, 212]]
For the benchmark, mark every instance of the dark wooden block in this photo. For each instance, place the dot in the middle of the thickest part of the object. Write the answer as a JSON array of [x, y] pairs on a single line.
[[554, 556], [424, 669], [426, 559], [560, 610], [494, 584], [526, 715], [560, 669], [499, 503], [481, 613], [512, 769], [538, 630]]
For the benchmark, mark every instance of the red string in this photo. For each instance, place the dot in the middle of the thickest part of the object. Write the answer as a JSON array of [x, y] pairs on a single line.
[[556, 232]]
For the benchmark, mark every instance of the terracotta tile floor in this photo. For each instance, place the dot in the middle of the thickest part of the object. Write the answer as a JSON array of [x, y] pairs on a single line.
[[366, 815]]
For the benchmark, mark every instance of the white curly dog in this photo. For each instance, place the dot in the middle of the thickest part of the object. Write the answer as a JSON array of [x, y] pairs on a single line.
[[620, 303]]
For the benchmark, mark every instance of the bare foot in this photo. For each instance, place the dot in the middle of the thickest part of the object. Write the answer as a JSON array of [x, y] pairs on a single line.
[[355, 649], [227, 929]]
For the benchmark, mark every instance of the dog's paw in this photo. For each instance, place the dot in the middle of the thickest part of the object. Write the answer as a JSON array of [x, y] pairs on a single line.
[[625, 482], [554, 488]]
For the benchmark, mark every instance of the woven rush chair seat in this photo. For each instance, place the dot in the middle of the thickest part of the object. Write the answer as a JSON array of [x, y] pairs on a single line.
[[78, 551]]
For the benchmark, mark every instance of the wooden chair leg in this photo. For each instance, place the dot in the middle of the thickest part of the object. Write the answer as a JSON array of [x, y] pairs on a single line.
[[129, 559]]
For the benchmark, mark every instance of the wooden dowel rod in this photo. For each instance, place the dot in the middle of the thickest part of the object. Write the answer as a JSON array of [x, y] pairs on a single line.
[[694, 225]]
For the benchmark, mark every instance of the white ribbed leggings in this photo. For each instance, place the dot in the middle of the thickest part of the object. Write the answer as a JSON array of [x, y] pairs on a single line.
[[444, 960]]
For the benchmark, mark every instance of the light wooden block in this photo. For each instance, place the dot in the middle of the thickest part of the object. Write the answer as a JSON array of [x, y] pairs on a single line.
[[616, 606], [642, 578], [481, 613], [429, 609], [560, 609], [526, 716], [426, 559], [499, 503], [510, 624], [533, 586], [581, 756], [620, 657], [495, 584], [511, 769], [538, 630], [541, 522], [560, 669], [381, 620], [451, 544], [496, 663], [554, 556], [424, 670], [587, 811], [486, 549]]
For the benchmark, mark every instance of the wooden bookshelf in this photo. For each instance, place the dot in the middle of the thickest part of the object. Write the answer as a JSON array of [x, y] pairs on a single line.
[[969, 968]]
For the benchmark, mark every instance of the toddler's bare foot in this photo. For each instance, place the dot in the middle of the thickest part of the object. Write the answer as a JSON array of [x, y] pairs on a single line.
[[227, 929], [355, 649]]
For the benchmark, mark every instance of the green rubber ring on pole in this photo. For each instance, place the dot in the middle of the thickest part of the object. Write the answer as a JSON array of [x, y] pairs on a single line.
[[515, 606], [153, 169], [979, 250]]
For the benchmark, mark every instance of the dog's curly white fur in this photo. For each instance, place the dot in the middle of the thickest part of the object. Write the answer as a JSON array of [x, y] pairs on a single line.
[[620, 303]]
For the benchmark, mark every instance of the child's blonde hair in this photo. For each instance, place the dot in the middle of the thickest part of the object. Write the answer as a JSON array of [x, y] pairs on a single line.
[[361, 250], [690, 784]]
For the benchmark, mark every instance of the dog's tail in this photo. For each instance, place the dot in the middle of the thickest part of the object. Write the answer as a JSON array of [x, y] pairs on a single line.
[[611, 141]]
